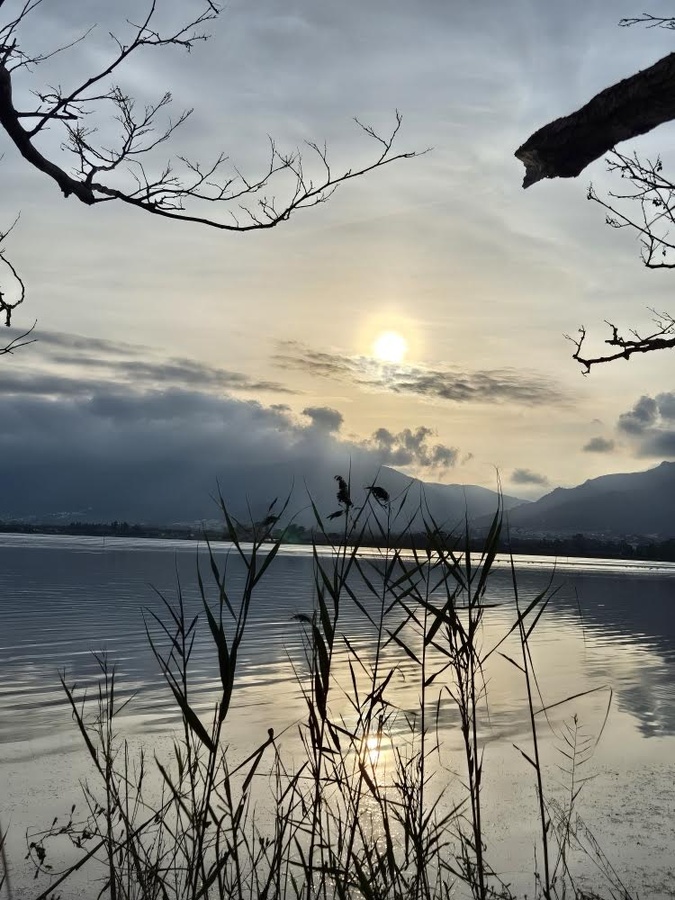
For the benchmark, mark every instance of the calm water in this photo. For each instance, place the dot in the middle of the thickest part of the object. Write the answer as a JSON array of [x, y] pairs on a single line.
[[611, 626]]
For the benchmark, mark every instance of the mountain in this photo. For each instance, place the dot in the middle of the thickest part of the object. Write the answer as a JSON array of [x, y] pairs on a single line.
[[449, 505], [165, 494], [637, 503]]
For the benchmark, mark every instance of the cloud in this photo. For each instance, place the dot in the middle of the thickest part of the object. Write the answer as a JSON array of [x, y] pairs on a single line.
[[489, 386], [527, 476], [660, 444], [114, 429], [71, 365], [406, 448], [650, 424], [77, 344], [157, 455], [666, 405], [599, 445], [641, 417], [324, 417], [295, 355]]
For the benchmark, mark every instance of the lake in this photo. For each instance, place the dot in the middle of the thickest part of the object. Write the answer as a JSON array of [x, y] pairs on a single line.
[[610, 626]]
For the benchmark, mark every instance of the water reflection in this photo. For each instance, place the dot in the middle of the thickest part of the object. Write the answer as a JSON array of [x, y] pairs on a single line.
[[607, 628], [61, 598], [635, 618]]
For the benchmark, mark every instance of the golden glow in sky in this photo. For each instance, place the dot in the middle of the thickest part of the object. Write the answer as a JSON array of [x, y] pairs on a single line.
[[379, 306], [390, 347]]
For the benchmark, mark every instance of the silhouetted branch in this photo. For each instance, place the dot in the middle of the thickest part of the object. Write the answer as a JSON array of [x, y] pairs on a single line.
[[647, 205], [216, 194], [663, 338], [634, 106], [564, 147], [649, 21], [19, 341], [7, 306]]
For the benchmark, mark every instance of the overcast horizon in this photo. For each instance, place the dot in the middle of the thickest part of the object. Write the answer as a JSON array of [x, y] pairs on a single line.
[[169, 355]]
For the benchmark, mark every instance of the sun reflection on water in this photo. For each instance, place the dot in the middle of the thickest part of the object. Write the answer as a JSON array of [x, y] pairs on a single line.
[[376, 757], [372, 749]]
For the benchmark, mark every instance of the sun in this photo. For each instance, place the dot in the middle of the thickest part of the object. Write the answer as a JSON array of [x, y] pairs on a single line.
[[390, 347]]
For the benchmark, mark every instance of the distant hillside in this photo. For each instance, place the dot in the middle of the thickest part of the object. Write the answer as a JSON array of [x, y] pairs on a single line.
[[134, 495], [450, 505], [638, 503]]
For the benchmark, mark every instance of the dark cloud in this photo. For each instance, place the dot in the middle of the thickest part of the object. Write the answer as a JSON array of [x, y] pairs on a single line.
[[478, 387], [527, 476], [666, 405], [455, 385], [660, 444], [599, 445], [156, 455], [17, 383], [650, 425], [327, 365], [324, 417], [79, 345], [189, 373], [641, 417], [445, 456], [98, 362], [407, 447]]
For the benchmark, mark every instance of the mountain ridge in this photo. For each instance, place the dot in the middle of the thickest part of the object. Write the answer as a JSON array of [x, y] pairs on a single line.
[[618, 504]]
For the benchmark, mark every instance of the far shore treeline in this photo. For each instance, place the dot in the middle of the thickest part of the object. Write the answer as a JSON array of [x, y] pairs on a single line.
[[576, 545]]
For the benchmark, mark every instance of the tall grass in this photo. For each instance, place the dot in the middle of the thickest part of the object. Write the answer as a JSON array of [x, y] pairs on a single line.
[[365, 808]]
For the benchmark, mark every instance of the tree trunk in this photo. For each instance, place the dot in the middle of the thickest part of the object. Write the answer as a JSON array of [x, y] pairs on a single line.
[[564, 147]]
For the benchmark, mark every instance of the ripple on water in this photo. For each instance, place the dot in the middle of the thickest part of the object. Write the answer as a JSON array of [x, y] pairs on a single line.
[[611, 626]]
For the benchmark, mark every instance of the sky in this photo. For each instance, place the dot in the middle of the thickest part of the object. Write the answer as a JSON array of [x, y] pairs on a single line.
[[175, 355]]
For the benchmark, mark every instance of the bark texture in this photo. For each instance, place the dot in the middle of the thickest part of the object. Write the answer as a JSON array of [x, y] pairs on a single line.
[[634, 106]]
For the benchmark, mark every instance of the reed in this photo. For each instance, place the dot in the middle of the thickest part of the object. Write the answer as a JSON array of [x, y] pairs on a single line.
[[339, 822]]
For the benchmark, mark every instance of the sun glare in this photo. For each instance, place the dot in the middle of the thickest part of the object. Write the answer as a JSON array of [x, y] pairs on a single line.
[[373, 752], [390, 347]]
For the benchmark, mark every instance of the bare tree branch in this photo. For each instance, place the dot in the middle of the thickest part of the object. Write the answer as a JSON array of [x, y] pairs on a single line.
[[663, 338], [7, 306], [564, 147], [215, 194], [20, 340], [18, 294], [650, 21], [125, 168], [646, 205]]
